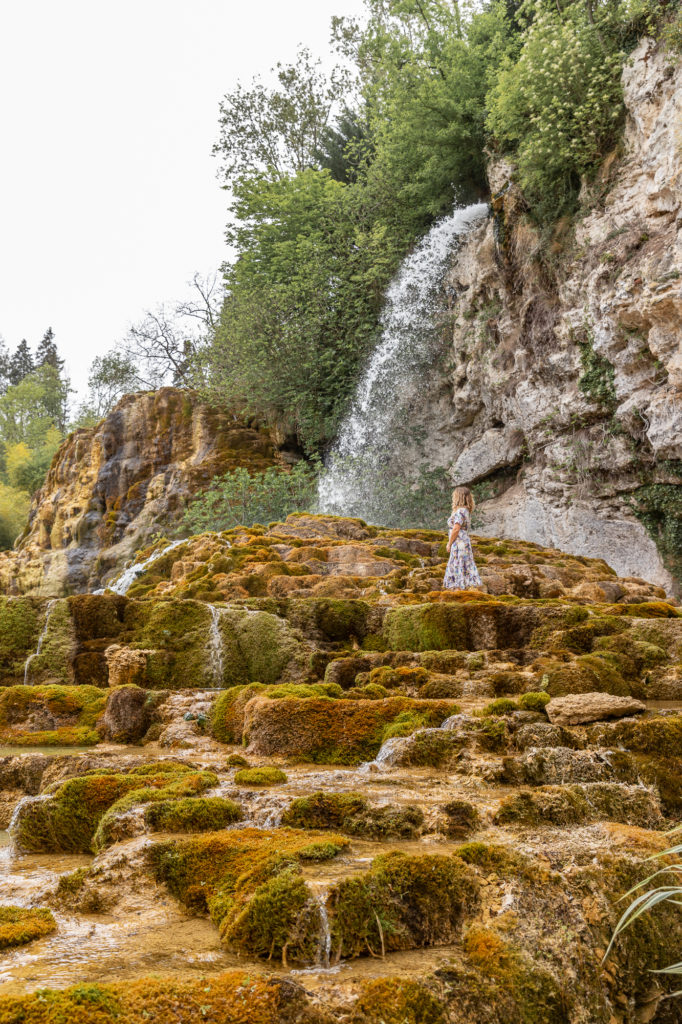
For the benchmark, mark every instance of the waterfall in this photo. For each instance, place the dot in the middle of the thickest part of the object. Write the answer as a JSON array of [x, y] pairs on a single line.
[[124, 582], [215, 647], [364, 476], [41, 639]]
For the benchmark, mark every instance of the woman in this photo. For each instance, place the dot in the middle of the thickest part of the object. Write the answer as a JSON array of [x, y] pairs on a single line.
[[461, 573]]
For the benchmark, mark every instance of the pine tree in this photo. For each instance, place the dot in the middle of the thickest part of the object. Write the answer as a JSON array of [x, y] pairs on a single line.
[[21, 362], [4, 366], [47, 354]]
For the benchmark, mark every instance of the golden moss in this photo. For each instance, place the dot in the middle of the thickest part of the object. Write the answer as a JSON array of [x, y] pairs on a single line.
[[265, 776], [250, 882], [233, 998], [72, 710], [19, 925], [397, 1001]]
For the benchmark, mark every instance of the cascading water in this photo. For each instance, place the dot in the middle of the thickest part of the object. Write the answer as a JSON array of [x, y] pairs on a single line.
[[364, 474], [215, 647], [123, 583], [41, 640]]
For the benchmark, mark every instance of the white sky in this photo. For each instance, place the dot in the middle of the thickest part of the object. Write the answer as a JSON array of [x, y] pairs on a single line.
[[109, 199]]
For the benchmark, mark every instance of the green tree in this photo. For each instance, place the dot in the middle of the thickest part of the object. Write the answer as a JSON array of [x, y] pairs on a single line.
[[277, 130], [21, 362]]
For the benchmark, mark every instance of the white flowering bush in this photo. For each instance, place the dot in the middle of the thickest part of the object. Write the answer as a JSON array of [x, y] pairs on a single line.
[[560, 105]]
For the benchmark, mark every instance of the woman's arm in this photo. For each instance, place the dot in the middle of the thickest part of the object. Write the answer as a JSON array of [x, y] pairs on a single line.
[[453, 536]]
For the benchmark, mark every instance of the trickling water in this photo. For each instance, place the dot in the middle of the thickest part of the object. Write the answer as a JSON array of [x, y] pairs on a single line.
[[41, 639], [215, 647], [324, 950], [361, 476], [123, 583]]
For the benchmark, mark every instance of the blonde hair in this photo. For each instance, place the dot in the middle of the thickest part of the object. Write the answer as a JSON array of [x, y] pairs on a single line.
[[463, 498]]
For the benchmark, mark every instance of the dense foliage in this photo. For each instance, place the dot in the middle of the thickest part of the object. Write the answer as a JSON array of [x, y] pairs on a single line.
[[333, 178], [241, 499], [34, 395]]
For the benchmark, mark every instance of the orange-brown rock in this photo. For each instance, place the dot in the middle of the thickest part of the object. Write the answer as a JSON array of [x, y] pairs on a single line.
[[110, 487]]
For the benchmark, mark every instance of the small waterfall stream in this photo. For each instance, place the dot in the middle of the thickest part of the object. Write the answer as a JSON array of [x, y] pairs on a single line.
[[363, 466], [123, 583], [215, 647], [41, 639]]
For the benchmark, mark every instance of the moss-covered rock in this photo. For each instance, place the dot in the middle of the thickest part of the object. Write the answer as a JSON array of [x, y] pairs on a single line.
[[402, 902], [250, 883], [77, 816], [50, 715], [19, 925], [397, 1001], [334, 731], [234, 998], [198, 814], [350, 812], [265, 776], [569, 805]]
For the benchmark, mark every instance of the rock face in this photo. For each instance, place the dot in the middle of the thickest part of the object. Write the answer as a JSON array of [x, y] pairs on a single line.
[[111, 487], [562, 398], [578, 708]]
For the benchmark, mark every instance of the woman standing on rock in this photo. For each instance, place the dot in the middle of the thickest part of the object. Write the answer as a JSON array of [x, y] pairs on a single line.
[[461, 573]]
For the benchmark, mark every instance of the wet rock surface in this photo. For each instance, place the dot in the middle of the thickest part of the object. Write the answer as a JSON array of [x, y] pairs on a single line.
[[355, 776]]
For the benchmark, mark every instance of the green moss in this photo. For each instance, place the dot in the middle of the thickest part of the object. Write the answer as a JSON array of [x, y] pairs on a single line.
[[335, 618], [534, 701], [501, 706], [319, 851], [72, 883], [400, 677], [236, 761], [259, 776], [426, 627], [568, 805], [57, 647], [21, 621], [19, 925], [167, 781], [462, 817], [491, 857], [492, 735], [402, 902], [661, 736], [350, 812], [198, 814], [73, 817], [75, 710], [659, 508], [589, 673]]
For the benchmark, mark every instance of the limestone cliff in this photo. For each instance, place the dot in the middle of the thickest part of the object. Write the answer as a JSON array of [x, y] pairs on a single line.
[[562, 395], [111, 487]]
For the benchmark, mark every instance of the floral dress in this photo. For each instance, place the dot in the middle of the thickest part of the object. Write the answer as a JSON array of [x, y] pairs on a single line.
[[461, 573]]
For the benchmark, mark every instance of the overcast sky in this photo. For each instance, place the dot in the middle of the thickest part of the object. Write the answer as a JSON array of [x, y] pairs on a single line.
[[108, 193]]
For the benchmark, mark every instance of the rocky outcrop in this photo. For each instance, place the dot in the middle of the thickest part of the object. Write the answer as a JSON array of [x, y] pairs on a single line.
[[110, 488], [578, 708], [562, 398]]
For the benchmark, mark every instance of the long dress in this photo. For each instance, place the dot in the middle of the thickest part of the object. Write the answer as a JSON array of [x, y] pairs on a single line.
[[461, 573]]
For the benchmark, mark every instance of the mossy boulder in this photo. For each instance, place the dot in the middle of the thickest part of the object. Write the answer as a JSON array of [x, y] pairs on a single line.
[[402, 902], [350, 813], [660, 735], [71, 817], [19, 925], [198, 814], [265, 776], [574, 804], [250, 883], [50, 715], [331, 731]]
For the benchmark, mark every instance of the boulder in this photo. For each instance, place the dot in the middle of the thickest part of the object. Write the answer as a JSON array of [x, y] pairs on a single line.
[[577, 708], [126, 717]]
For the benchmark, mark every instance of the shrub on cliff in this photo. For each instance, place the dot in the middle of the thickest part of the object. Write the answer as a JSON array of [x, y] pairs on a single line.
[[240, 498]]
